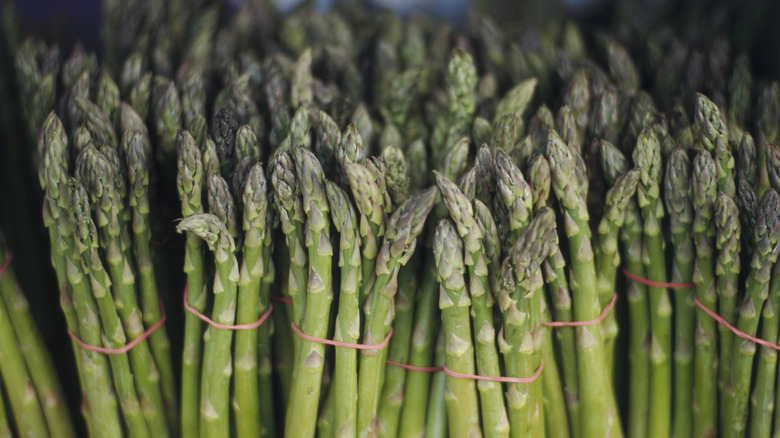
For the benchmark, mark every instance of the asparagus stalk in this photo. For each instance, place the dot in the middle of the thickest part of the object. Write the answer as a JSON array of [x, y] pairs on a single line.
[[460, 394], [189, 182], [246, 392], [86, 245], [647, 157], [305, 393], [494, 416], [606, 252], [137, 151], [766, 235], [100, 177], [36, 357], [217, 369], [392, 397], [99, 408], [614, 164], [727, 267], [289, 205], [763, 398], [23, 399], [372, 220], [415, 406], [436, 414], [345, 380], [598, 411], [265, 362], [704, 187], [521, 280], [404, 226], [678, 202]]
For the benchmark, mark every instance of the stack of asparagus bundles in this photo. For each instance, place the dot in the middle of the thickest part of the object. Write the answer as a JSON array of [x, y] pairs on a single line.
[[390, 227]]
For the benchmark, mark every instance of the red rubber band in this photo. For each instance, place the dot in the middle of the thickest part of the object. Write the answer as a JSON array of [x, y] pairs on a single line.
[[129, 346], [7, 262], [281, 299], [598, 320], [651, 283], [379, 346], [215, 324], [530, 379], [415, 368], [163, 240], [733, 329]]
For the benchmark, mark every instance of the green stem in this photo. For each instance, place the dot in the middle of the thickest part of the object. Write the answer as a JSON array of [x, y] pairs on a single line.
[[37, 358], [415, 406]]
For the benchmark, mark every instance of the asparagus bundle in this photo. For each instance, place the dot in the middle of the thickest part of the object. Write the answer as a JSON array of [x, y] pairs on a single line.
[[299, 148]]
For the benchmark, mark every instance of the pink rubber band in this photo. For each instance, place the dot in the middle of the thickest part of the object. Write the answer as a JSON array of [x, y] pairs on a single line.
[[414, 368], [163, 240], [733, 329], [651, 283], [530, 379], [281, 299], [129, 346], [215, 324], [7, 262], [379, 346], [598, 320]]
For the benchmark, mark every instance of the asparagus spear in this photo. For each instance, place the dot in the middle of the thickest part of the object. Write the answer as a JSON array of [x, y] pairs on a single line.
[[23, 399], [305, 393], [416, 388], [494, 416], [715, 138], [392, 397], [647, 157], [189, 183], [288, 202], [766, 235], [704, 187], [400, 241], [372, 220], [216, 370], [246, 392], [99, 175], [763, 398], [460, 394], [598, 411], [606, 252], [36, 357], [677, 195], [345, 380], [521, 282], [436, 414], [99, 410], [86, 244], [727, 268], [138, 156]]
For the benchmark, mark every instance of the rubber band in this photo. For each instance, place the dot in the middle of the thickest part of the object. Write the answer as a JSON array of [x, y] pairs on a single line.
[[719, 319], [129, 346], [7, 263], [530, 379], [215, 324], [281, 299], [598, 320], [415, 368], [306, 337], [651, 283], [458, 375], [163, 240]]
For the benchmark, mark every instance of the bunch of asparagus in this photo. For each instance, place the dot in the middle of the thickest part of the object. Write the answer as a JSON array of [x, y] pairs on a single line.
[[300, 157]]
